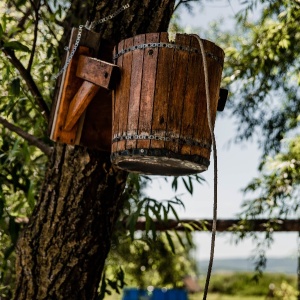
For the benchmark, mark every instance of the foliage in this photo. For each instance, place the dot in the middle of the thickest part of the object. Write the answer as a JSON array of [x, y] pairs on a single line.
[[243, 284], [262, 69], [152, 263], [149, 257], [286, 292]]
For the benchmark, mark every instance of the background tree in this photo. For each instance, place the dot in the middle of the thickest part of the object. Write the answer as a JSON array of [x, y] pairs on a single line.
[[262, 70]]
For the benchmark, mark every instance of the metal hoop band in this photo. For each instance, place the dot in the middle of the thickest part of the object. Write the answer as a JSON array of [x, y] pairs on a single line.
[[167, 45]]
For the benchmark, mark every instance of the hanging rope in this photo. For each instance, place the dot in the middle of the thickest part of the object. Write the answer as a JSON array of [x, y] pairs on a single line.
[[215, 205]]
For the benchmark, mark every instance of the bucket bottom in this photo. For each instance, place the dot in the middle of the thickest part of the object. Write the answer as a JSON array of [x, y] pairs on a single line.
[[159, 162]]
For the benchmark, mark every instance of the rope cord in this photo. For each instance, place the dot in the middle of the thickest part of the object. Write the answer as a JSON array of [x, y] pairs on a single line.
[[215, 205]]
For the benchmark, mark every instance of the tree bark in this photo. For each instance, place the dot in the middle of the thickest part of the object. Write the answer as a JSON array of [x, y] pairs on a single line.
[[62, 251]]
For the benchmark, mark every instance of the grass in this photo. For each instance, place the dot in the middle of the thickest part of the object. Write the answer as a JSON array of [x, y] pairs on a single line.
[[225, 297], [199, 297]]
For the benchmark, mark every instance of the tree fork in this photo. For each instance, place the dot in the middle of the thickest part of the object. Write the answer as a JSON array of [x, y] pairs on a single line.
[[62, 251]]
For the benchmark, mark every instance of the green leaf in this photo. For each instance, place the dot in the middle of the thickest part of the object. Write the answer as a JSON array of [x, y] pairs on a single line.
[[15, 45], [1, 206], [175, 183], [1, 31], [15, 87], [188, 186], [174, 212], [49, 52], [148, 221], [170, 242], [180, 239], [14, 229]]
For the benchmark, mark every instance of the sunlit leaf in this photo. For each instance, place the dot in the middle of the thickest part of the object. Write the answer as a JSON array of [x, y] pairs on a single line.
[[171, 244], [17, 46]]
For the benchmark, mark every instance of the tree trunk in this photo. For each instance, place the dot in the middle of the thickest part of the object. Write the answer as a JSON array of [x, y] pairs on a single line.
[[61, 253]]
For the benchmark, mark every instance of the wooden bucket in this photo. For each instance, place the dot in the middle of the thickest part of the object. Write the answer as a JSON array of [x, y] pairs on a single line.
[[159, 108]]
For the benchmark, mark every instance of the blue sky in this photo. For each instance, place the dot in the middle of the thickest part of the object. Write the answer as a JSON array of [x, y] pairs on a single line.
[[237, 165]]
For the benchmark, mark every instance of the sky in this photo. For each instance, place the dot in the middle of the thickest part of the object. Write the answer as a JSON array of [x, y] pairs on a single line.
[[237, 165]]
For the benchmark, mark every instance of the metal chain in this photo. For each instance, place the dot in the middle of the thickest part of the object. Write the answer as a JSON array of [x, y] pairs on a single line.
[[167, 45], [180, 141], [89, 27], [100, 21], [72, 52]]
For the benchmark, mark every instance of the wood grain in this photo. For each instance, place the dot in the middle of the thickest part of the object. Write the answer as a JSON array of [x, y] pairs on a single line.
[[69, 89], [97, 71], [148, 89], [177, 92], [162, 91], [135, 91], [78, 105]]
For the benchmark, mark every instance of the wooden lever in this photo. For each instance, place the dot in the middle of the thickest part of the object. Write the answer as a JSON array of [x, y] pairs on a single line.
[[81, 100], [96, 73]]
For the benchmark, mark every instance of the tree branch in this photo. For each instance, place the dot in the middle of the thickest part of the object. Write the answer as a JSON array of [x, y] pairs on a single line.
[[36, 24], [26, 136], [230, 225], [10, 54]]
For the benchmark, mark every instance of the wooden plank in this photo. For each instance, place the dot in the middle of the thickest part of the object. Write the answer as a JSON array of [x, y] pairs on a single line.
[[214, 76], [78, 105], [177, 93], [88, 45], [135, 90], [162, 91], [124, 95], [191, 99], [117, 99], [98, 72], [69, 89], [148, 89], [200, 134], [97, 129]]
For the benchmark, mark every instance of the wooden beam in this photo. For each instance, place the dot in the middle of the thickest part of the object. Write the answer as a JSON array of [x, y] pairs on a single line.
[[97, 71], [229, 225]]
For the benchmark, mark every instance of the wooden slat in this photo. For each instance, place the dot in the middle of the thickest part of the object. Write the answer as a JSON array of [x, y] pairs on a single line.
[[201, 131], [178, 90], [117, 98], [191, 98], [69, 89], [135, 90], [97, 128], [88, 45], [125, 96], [162, 90], [78, 105], [214, 76], [97, 71], [148, 89]]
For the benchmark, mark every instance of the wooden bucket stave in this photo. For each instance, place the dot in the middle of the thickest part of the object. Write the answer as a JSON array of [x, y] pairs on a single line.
[[159, 110]]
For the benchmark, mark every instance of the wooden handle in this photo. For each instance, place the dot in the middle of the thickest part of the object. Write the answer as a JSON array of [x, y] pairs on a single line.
[[81, 100], [98, 72]]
